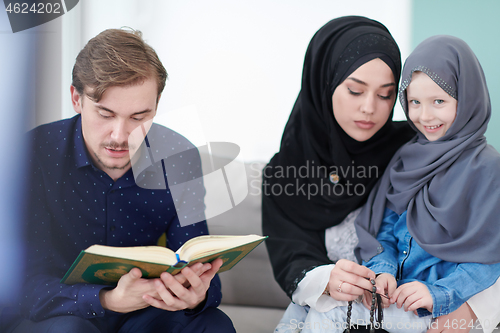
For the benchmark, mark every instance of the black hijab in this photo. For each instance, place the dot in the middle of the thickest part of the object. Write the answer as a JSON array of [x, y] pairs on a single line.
[[313, 143]]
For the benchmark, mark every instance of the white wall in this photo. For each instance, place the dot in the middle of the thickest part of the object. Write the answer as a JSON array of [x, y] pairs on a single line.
[[234, 65]]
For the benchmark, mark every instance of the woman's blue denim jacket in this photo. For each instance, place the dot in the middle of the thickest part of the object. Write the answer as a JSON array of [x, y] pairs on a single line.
[[450, 284]]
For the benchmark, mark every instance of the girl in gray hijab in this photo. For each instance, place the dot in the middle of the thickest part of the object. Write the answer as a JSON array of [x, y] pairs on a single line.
[[431, 222]]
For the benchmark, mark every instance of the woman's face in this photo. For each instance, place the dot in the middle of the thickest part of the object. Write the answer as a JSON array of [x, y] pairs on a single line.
[[363, 102]]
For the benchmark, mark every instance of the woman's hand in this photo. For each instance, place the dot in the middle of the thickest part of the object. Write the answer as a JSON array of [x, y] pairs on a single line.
[[348, 280]]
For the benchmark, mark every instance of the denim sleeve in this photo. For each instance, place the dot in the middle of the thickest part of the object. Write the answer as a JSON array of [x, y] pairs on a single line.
[[387, 260], [468, 279]]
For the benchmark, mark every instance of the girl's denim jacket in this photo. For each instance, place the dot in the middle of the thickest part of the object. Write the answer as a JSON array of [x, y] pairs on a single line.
[[450, 284]]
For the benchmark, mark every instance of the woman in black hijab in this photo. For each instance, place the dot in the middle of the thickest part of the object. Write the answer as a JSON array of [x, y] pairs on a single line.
[[317, 178], [329, 160]]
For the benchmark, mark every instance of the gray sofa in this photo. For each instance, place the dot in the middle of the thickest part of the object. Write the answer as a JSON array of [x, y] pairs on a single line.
[[250, 295]]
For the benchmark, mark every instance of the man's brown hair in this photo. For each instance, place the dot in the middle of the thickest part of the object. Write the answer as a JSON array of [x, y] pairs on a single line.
[[116, 57]]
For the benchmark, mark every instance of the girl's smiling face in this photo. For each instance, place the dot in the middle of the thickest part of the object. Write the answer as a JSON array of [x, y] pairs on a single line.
[[430, 108]]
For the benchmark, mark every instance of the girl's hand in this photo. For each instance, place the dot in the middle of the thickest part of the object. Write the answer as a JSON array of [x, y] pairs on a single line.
[[413, 295], [386, 285], [348, 280]]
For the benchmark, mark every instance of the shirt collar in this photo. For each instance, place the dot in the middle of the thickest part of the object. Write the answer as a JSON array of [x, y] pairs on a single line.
[[81, 154]]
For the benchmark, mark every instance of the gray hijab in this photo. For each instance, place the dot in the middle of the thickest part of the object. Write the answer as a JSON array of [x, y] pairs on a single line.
[[450, 187]]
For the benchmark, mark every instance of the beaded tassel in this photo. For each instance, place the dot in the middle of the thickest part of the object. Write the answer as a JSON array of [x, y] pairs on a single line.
[[349, 310], [376, 302], [372, 310]]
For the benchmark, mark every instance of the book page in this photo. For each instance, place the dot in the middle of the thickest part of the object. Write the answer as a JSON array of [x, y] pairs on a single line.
[[153, 254], [205, 245]]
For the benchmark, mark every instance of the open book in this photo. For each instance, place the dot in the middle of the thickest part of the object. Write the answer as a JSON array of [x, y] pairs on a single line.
[[100, 264]]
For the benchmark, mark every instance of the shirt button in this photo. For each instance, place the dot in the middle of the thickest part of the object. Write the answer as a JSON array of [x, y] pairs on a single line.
[[112, 228], [404, 252]]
